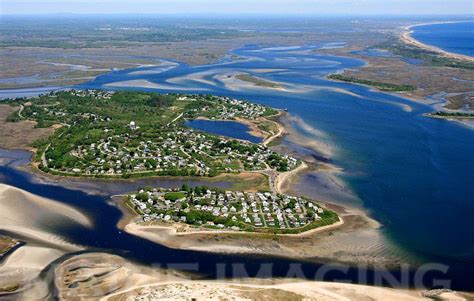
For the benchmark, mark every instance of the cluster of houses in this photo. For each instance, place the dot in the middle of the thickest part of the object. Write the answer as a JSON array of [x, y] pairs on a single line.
[[178, 149], [170, 150], [228, 108], [63, 115], [233, 210], [98, 94]]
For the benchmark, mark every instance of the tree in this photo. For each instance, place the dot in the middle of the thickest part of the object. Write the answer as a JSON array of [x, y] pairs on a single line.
[[185, 187]]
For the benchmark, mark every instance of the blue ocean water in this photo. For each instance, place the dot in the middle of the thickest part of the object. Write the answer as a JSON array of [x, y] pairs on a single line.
[[451, 37], [414, 174], [231, 129], [411, 173]]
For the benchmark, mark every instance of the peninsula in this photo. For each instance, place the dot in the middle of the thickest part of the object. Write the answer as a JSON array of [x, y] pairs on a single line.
[[134, 134]]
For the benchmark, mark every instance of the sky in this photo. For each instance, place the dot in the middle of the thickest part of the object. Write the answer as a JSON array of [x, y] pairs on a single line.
[[316, 7]]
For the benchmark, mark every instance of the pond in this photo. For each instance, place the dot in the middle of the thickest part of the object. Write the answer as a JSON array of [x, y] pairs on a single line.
[[232, 129]]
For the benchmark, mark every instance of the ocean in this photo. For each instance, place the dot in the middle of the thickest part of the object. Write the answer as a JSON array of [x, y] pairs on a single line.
[[451, 37]]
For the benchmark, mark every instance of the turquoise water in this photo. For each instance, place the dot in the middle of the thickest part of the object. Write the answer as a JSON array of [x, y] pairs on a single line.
[[230, 129], [451, 37]]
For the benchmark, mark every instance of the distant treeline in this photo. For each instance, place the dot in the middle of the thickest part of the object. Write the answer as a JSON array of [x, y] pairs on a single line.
[[452, 114], [379, 85]]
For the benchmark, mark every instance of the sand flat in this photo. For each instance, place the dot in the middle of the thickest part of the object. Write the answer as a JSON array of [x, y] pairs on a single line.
[[141, 83], [29, 215], [212, 290]]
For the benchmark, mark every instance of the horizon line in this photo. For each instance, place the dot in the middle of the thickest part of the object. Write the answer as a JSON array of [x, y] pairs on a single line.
[[470, 16]]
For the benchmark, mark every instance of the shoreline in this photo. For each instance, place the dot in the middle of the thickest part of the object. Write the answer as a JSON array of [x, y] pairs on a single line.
[[253, 127], [179, 229], [111, 277], [406, 37], [353, 222], [328, 244], [285, 177], [319, 245], [276, 289], [38, 245]]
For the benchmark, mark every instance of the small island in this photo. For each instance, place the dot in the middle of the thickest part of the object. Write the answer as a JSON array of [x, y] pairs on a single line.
[[258, 81], [382, 86], [202, 207]]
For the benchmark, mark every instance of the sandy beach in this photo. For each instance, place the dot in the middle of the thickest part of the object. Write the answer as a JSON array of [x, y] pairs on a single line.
[[280, 133], [231, 82], [27, 216], [141, 83], [207, 290], [354, 239], [101, 276], [182, 230], [283, 177], [406, 37]]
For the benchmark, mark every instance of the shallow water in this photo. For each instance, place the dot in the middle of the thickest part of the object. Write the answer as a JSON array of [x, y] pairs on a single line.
[[104, 236], [411, 173]]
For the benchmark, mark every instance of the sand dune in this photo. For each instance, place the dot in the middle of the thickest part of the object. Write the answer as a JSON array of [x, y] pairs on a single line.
[[209, 290], [102, 276], [29, 217], [19, 272]]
